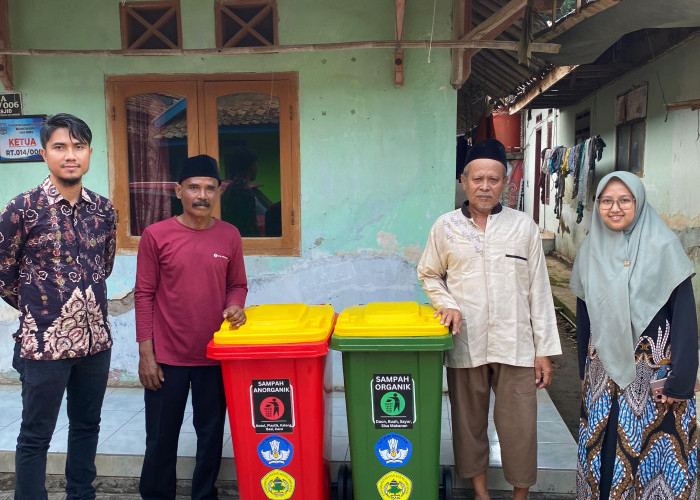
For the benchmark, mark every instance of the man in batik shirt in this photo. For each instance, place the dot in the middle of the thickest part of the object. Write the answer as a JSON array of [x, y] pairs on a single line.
[[57, 244]]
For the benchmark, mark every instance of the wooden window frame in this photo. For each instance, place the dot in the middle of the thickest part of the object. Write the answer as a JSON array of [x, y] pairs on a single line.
[[128, 9], [119, 88], [629, 128], [223, 8], [630, 116]]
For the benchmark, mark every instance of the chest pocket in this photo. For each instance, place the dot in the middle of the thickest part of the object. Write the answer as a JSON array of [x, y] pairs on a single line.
[[517, 267]]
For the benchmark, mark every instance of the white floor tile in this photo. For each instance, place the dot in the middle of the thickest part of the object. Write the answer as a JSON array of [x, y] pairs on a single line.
[[9, 415], [123, 429], [557, 456], [123, 443], [187, 444], [59, 441], [124, 400], [136, 423], [115, 419], [554, 432]]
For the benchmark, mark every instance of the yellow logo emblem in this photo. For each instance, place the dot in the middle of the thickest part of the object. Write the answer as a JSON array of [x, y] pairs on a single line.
[[394, 486], [278, 485]]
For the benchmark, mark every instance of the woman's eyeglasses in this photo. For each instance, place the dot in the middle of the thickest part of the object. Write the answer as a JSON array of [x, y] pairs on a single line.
[[623, 203]]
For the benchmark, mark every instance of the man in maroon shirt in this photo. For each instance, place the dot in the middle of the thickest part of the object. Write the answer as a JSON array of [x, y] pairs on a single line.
[[190, 274]]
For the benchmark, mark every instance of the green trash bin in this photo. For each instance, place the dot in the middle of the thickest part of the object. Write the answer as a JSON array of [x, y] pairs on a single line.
[[392, 365]]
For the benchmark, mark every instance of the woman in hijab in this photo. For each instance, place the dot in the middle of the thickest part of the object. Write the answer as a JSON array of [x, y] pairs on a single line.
[[636, 323]]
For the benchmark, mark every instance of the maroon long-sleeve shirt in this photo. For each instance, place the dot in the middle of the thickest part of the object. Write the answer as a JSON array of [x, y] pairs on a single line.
[[185, 278]]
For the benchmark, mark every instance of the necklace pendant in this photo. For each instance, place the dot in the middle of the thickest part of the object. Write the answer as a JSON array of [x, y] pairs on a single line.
[[627, 263]]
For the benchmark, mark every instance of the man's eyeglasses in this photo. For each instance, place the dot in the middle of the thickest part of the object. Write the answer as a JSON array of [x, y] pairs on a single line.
[[623, 203]]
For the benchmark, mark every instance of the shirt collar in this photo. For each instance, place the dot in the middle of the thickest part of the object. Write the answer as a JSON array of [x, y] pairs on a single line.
[[54, 196], [465, 209]]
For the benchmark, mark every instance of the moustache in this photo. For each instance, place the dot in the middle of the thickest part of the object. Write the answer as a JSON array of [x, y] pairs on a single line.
[[201, 203]]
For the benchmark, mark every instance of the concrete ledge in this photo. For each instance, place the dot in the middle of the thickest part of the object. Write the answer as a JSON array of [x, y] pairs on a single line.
[[547, 241], [129, 467], [119, 465]]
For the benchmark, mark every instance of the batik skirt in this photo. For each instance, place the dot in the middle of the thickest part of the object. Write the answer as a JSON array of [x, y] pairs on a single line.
[[629, 444]]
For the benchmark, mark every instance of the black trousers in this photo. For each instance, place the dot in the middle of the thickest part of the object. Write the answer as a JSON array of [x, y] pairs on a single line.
[[43, 385], [165, 410]]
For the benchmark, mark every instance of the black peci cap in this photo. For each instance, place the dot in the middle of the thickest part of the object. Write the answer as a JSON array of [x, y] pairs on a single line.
[[199, 166], [492, 149]]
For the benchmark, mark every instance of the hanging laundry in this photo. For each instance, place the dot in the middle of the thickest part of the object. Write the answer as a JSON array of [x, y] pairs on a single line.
[[577, 153], [565, 162], [578, 161]]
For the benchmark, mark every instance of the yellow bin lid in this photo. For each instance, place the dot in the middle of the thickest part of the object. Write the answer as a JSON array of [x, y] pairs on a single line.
[[279, 324], [389, 319]]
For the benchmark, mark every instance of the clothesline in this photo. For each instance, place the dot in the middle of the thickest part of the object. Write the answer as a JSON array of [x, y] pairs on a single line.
[[579, 162]]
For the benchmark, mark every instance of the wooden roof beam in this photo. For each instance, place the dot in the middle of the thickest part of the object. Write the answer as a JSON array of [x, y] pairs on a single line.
[[693, 105], [5, 59], [400, 7], [461, 59], [498, 22], [548, 81], [582, 13], [488, 30], [550, 48]]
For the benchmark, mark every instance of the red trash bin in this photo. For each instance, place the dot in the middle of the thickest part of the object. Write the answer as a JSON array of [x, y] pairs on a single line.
[[273, 371]]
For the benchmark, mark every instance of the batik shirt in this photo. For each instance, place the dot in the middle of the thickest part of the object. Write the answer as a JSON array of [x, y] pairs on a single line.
[[54, 260]]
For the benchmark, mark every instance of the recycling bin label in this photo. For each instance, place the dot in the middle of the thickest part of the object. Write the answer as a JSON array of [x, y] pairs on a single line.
[[393, 401], [272, 405]]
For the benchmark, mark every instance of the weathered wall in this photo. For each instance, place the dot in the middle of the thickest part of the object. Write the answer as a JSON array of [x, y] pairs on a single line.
[[377, 161], [671, 152]]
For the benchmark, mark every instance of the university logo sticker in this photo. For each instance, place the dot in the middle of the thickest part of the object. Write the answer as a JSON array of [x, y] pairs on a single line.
[[275, 451], [277, 485], [393, 450], [394, 486]]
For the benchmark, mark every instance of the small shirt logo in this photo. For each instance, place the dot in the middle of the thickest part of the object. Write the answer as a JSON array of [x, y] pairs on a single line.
[[219, 256]]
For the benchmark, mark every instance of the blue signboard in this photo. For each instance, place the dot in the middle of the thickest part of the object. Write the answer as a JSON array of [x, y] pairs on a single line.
[[19, 138]]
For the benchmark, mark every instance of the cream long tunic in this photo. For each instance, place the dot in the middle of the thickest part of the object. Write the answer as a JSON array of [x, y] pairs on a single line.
[[498, 280]]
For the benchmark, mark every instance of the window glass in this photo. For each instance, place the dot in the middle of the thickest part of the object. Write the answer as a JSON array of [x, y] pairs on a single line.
[[637, 134], [249, 155], [623, 147], [157, 146], [158, 121]]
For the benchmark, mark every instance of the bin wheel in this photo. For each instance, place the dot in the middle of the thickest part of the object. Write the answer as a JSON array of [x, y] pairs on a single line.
[[342, 474], [345, 483], [446, 489]]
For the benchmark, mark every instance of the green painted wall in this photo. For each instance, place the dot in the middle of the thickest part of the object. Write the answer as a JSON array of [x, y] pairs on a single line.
[[359, 134], [377, 161]]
